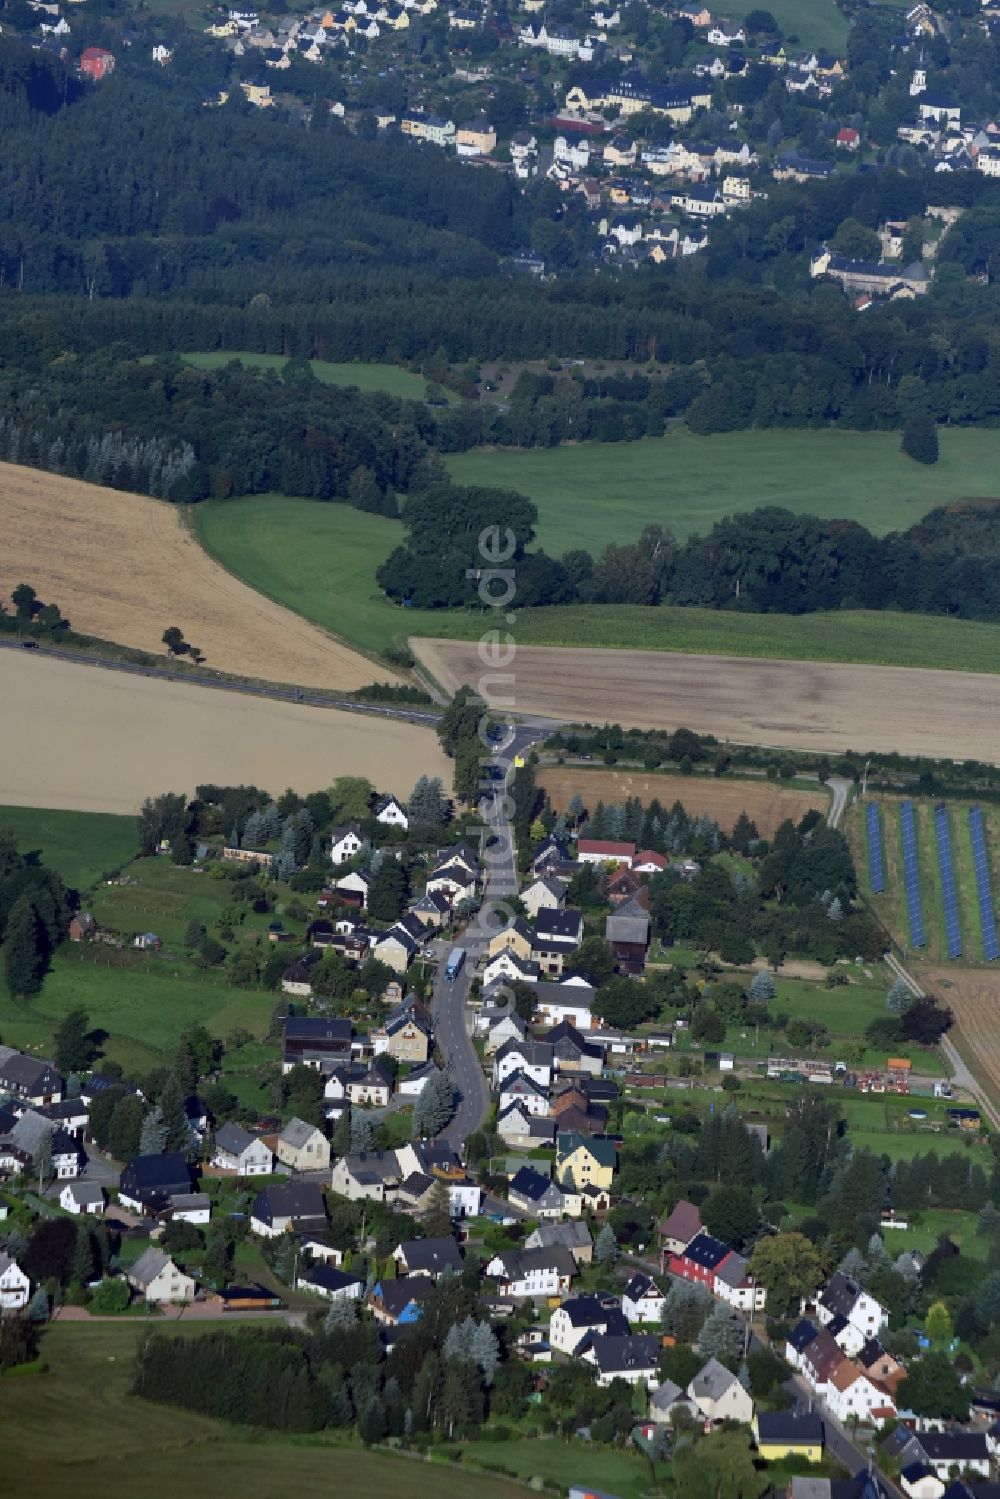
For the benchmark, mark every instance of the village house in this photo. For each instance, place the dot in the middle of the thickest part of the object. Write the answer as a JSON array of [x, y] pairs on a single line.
[[155, 1276], [345, 843], [585, 1162], [82, 1197], [521, 1088], [82, 927], [302, 1146], [373, 1175], [571, 1053], [521, 1127], [699, 1260], [604, 851], [330, 1283], [28, 1079], [574, 1236], [373, 1088], [190, 1207], [15, 1287], [782, 1434], [390, 811], [522, 1273], [430, 1257], [507, 967], [399, 1303], [678, 1228], [536, 1195], [543, 893], [587, 1315], [148, 1181], [642, 1300], [843, 1297], [311, 1039], [626, 931], [633, 1357], [719, 1396], [398, 947], [289, 1206], [532, 1058], [557, 934], [237, 1150]]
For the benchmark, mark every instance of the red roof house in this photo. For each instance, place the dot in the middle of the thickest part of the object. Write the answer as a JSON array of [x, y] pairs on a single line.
[[848, 138], [97, 62], [604, 851]]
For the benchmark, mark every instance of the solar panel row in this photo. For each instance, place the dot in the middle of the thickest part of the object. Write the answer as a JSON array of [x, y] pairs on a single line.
[[984, 885], [911, 875], [876, 855], [949, 894]]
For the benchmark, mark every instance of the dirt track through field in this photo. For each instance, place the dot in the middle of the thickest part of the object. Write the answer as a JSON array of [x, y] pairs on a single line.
[[723, 801], [788, 704], [124, 567], [100, 741]]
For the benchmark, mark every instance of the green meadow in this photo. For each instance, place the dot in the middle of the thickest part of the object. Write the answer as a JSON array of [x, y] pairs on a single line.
[[82, 846], [320, 560], [367, 377], [589, 494]]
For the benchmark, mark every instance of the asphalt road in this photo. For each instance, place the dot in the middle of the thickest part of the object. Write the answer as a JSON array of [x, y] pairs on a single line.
[[449, 1008]]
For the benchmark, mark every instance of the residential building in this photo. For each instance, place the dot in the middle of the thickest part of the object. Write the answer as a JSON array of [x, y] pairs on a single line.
[[373, 1175], [557, 935], [190, 1207], [149, 1181], [399, 1303], [373, 1088], [626, 931], [843, 1297], [429, 1257], [297, 1206], [345, 843], [237, 1150], [642, 1300], [530, 1058], [544, 892], [520, 1088], [572, 1054], [155, 1276], [580, 1316], [15, 1287], [302, 1146], [330, 1283], [604, 851], [533, 1272], [538, 1195], [82, 1197], [719, 1396], [585, 1162], [390, 811], [574, 1236], [518, 1125], [680, 1226], [736, 1286], [781, 1434], [28, 1079], [700, 1260], [313, 1038], [634, 1357]]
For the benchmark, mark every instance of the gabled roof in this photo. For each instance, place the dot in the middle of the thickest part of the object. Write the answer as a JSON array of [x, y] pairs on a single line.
[[532, 1184], [148, 1266], [533, 1053], [432, 1255], [315, 1028], [625, 1355], [297, 1133], [233, 1139], [799, 1428], [297, 1200], [712, 1381], [564, 925], [733, 1271], [802, 1334], [397, 1295], [682, 1223], [641, 1286], [518, 1262], [603, 1151], [571, 1235], [522, 1083], [326, 1278], [149, 1174], [707, 1252]]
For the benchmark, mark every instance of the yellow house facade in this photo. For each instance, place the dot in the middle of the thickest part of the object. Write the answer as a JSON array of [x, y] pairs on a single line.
[[585, 1163]]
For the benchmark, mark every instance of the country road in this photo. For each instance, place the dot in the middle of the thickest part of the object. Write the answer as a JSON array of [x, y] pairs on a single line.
[[449, 1008]]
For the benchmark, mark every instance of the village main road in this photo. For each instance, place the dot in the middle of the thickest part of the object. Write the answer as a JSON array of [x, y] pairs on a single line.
[[450, 1010]]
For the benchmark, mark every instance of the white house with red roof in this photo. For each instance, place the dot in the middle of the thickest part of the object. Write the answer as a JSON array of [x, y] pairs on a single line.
[[604, 851]]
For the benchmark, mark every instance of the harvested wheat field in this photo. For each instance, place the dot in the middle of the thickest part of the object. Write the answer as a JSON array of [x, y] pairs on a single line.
[[974, 995], [123, 567], [723, 801], [804, 705], [95, 740]]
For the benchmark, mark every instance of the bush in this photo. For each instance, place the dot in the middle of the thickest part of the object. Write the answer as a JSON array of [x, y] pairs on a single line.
[[110, 1297]]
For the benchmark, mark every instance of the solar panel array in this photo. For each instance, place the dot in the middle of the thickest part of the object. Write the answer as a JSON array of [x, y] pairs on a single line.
[[984, 886], [876, 855], [911, 875], [946, 864]]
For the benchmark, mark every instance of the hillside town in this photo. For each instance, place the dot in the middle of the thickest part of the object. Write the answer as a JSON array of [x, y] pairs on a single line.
[[650, 126]]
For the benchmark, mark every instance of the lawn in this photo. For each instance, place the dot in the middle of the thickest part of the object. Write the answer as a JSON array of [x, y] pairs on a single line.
[[82, 846], [589, 494], [367, 377], [624, 1474], [77, 1428], [816, 23], [143, 1007], [320, 560]]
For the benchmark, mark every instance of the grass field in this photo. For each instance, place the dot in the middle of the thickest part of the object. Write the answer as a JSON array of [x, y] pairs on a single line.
[[320, 560], [124, 567], [82, 846], [367, 377], [77, 1428], [591, 493], [816, 23], [625, 1474]]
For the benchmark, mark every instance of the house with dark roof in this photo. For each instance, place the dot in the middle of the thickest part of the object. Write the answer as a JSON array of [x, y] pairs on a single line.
[[626, 931], [298, 1206], [634, 1358], [781, 1434], [518, 1126], [237, 1150], [580, 1316], [642, 1300], [28, 1079], [700, 1260], [429, 1257], [535, 1194], [574, 1236], [149, 1181], [306, 1038], [399, 1303], [330, 1283], [557, 934]]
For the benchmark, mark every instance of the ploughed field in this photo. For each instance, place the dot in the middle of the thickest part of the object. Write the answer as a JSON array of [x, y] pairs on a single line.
[[123, 567], [785, 704]]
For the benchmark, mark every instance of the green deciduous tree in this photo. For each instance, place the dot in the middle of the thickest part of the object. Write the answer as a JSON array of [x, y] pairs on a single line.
[[789, 1267], [75, 1048]]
